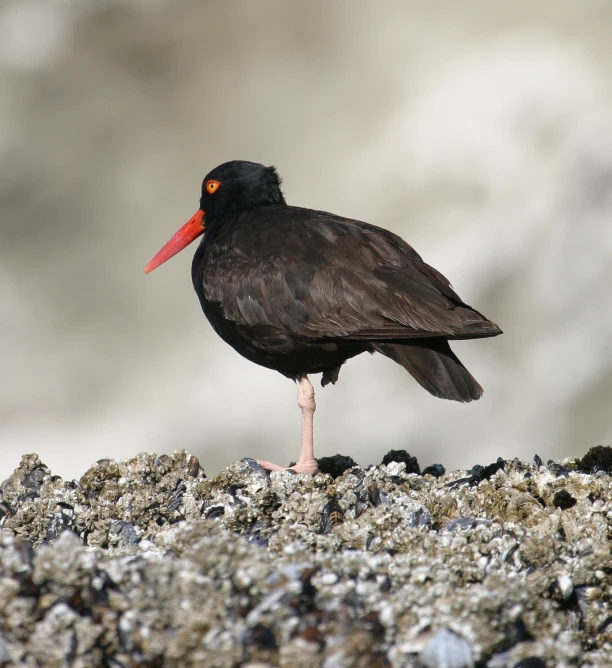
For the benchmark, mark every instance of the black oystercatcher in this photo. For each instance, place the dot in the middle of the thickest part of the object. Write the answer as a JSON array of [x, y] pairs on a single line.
[[302, 291]]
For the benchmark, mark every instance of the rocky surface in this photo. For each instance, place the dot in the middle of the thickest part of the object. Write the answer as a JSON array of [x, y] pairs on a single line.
[[147, 562]]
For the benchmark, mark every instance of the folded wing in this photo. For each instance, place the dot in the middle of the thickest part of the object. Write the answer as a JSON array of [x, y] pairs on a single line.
[[343, 279]]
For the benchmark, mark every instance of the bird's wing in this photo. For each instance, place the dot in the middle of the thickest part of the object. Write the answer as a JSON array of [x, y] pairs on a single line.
[[338, 278]]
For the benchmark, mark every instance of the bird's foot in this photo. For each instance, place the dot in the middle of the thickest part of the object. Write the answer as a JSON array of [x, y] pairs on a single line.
[[309, 466]]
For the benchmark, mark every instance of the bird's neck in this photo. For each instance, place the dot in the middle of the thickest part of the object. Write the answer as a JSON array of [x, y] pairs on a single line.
[[236, 215]]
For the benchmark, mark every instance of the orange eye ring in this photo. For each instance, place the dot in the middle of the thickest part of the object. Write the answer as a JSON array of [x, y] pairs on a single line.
[[212, 185]]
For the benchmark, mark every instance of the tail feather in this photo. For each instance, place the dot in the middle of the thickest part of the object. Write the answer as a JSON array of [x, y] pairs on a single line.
[[433, 364]]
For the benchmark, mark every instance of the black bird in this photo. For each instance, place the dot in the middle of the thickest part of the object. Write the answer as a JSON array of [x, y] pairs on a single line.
[[302, 291]]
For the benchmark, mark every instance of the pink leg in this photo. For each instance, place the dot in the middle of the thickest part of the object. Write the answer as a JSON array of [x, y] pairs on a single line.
[[306, 401]]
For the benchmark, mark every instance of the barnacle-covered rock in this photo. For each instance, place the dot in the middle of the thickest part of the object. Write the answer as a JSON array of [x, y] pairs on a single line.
[[149, 562]]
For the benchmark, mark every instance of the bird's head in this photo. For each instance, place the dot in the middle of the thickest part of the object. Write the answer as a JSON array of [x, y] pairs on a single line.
[[227, 190]]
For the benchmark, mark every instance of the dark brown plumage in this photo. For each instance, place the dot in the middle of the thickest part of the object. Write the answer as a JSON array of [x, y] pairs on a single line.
[[302, 291]]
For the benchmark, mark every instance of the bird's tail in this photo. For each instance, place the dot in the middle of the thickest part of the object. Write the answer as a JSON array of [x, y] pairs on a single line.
[[435, 366]]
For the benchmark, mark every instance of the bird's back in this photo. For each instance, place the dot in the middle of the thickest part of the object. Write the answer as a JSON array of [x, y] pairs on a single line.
[[313, 275]]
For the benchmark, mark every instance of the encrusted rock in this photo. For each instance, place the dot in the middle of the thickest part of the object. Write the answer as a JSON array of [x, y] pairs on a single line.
[[148, 562]]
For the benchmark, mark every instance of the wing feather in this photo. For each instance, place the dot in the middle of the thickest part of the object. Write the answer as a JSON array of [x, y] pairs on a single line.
[[317, 276]]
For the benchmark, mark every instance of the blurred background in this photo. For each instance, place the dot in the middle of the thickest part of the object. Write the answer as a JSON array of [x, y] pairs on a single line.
[[479, 131]]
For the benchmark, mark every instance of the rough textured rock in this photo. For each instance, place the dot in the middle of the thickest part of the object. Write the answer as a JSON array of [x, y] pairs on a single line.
[[148, 562]]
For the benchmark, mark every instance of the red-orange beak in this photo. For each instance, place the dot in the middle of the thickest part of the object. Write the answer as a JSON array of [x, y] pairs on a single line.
[[190, 231]]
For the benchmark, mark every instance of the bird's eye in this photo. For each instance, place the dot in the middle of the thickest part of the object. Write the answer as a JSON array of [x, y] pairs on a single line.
[[212, 185]]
